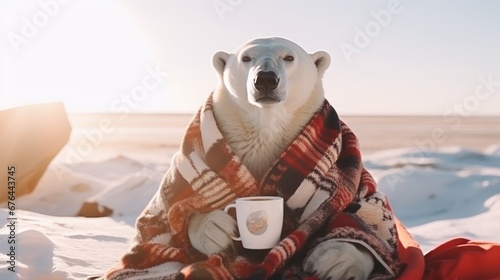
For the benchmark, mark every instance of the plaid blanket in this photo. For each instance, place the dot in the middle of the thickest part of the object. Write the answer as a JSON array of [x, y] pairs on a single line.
[[328, 195]]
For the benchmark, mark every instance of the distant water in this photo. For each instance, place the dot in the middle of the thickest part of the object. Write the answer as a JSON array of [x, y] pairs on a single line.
[[375, 133]]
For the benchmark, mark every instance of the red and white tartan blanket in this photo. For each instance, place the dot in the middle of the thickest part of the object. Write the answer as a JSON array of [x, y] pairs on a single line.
[[328, 195]]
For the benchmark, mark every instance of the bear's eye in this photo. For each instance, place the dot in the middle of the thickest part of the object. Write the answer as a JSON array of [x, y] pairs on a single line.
[[288, 58], [246, 58]]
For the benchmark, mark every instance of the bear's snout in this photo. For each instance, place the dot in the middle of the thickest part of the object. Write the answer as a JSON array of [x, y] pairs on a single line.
[[266, 80]]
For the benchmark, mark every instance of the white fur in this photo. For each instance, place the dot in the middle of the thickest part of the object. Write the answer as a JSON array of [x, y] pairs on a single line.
[[337, 260], [211, 232], [258, 132]]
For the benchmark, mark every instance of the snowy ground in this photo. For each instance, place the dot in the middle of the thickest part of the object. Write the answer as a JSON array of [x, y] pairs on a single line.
[[440, 194]]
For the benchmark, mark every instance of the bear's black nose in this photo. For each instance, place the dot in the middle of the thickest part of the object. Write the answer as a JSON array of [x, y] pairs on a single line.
[[266, 80]]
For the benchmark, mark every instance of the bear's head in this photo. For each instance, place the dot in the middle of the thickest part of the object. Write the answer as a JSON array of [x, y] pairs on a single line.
[[268, 71]]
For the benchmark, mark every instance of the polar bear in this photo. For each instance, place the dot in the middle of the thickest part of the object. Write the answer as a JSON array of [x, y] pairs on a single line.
[[267, 91]]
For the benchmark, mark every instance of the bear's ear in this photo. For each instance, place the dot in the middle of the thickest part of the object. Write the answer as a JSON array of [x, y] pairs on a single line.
[[219, 61], [321, 60]]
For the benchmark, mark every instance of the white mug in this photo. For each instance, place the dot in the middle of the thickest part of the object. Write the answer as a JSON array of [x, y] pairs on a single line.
[[259, 219]]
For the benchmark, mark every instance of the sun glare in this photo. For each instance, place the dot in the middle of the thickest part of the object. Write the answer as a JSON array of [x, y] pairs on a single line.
[[84, 55]]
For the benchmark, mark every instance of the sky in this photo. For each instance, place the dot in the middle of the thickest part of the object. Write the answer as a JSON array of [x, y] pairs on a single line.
[[388, 57]]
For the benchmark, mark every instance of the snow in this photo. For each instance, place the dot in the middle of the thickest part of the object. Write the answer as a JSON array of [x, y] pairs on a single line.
[[442, 194], [439, 194]]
